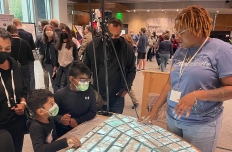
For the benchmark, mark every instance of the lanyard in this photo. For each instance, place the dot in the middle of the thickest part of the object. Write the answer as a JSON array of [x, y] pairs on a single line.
[[182, 64], [6, 92]]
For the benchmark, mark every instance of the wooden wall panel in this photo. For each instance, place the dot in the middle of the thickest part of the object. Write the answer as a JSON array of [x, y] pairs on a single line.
[[223, 22], [220, 28], [229, 28], [81, 19]]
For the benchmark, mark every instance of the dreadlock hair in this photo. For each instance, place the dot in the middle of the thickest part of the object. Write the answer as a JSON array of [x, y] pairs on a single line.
[[196, 19]]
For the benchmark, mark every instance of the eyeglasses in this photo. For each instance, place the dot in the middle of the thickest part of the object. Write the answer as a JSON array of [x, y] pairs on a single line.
[[85, 80], [179, 33]]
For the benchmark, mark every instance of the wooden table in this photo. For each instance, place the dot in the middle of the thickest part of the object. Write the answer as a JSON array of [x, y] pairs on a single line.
[[153, 83], [83, 129]]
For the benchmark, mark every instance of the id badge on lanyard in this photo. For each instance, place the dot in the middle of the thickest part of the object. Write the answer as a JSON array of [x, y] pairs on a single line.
[[176, 92]]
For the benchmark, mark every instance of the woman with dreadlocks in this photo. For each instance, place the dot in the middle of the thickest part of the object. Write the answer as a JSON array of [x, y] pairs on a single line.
[[200, 80]]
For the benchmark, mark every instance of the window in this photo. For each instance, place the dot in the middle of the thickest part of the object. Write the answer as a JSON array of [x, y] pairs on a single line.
[[22, 9], [2, 10], [15, 8], [43, 9]]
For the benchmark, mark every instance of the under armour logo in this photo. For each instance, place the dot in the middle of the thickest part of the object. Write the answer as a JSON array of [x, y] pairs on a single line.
[[87, 98]]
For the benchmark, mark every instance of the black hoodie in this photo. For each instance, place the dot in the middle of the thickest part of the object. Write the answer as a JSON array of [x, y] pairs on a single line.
[[8, 117]]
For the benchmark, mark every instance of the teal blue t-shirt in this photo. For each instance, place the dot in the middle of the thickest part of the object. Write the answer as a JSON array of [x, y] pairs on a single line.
[[213, 62]]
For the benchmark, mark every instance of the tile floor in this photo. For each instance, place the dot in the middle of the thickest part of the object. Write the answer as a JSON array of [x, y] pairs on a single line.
[[225, 139]]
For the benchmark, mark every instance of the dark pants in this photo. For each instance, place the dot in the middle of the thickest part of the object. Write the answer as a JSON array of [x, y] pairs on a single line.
[[32, 75], [49, 68], [157, 59], [116, 105], [26, 74], [150, 54], [62, 77], [12, 139]]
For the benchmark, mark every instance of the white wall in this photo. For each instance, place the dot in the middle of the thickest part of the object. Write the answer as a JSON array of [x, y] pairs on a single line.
[[59, 10]]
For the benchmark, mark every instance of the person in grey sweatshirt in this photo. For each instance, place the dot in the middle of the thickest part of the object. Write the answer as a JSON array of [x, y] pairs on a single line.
[[164, 51]]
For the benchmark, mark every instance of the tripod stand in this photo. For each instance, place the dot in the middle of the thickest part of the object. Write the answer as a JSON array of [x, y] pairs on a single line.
[[106, 37]]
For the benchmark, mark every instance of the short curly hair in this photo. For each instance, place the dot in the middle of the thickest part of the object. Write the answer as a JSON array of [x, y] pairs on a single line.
[[196, 19]]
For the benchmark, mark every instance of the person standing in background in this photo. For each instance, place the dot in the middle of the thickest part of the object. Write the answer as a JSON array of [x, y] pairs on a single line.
[[50, 56], [175, 44], [55, 24], [134, 37], [117, 87], [67, 53], [28, 37], [74, 39], [164, 51], [38, 44], [85, 41], [21, 52], [142, 45]]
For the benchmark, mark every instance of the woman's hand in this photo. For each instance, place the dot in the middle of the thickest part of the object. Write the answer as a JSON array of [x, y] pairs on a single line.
[[19, 110], [185, 103], [148, 119]]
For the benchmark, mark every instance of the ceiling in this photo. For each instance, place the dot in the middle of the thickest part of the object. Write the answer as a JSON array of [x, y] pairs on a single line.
[[135, 1], [213, 6]]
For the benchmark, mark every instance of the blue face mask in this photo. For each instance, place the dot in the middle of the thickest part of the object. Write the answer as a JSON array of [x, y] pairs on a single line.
[[82, 86]]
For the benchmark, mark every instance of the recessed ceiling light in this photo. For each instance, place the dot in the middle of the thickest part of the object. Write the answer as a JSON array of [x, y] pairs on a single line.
[[162, 10]]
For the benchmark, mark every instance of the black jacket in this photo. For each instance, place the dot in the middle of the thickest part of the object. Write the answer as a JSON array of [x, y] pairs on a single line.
[[27, 36], [38, 41], [53, 51], [21, 52], [8, 117], [126, 58]]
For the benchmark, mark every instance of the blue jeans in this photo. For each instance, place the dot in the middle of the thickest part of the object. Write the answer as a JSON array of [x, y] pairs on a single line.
[[32, 75], [163, 61], [116, 105], [26, 75], [202, 136]]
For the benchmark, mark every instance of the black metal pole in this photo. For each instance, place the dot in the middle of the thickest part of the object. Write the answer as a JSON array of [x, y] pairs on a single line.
[[105, 55], [94, 50]]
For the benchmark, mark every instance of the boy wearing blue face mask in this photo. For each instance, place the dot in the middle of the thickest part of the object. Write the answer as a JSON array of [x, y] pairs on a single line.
[[42, 129], [77, 102]]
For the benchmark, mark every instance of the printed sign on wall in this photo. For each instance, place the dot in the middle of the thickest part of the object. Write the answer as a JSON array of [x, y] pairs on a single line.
[[5, 20]]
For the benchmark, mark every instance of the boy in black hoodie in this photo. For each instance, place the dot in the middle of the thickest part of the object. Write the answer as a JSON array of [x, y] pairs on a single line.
[[42, 129]]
